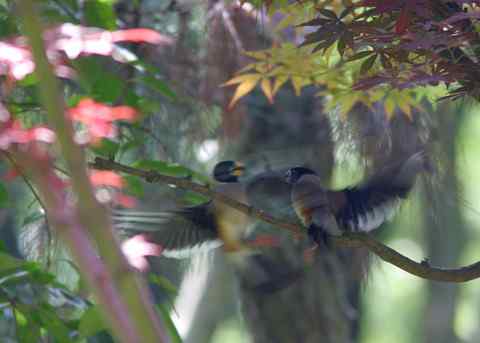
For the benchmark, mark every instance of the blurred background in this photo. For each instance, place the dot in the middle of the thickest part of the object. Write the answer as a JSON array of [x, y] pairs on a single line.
[[186, 120]]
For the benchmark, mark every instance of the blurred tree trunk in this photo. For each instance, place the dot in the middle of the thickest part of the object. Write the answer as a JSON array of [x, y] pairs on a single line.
[[445, 235], [218, 302], [321, 304]]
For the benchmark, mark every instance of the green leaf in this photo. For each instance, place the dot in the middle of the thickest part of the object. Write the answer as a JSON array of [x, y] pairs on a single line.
[[3, 195], [97, 81], [158, 85], [162, 167], [360, 55], [9, 262], [131, 144], [367, 64], [194, 198], [107, 148], [29, 80], [28, 331], [163, 282], [134, 185], [345, 12], [171, 169], [38, 274], [341, 46], [174, 335], [101, 13], [91, 322], [328, 13], [48, 318]]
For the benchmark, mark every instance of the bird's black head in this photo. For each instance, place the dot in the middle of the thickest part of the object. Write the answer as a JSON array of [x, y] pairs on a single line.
[[294, 174], [228, 171]]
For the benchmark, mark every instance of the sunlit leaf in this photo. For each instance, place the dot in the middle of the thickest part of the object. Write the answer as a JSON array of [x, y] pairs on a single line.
[[29, 331], [297, 83], [244, 88], [389, 106], [241, 79], [346, 104], [266, 86]]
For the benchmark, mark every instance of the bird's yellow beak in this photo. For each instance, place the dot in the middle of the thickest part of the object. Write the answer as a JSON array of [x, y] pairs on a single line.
[[238, 170]]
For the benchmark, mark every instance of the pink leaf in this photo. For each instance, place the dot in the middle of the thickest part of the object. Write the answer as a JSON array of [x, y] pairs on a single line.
[[106, 178]]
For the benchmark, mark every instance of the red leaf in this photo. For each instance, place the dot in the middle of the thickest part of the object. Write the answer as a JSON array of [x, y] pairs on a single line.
[[73, 41], [402, 21], [140, 36], [98, 117], [12, 132], [106, 178]]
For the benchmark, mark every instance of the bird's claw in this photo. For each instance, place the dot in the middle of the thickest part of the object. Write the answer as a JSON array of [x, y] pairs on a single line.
[[319, 236]]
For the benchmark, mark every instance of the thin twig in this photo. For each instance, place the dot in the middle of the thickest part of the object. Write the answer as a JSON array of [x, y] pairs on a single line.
[[36, 196], [423, 269], [15, 165]]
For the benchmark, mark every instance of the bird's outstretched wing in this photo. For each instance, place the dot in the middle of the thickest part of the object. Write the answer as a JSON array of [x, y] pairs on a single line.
[[180, 233], [367, 206]]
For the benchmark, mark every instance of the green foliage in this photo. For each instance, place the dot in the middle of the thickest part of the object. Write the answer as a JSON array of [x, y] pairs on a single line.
[[34, 306], [3, 195], [134, 185], [157, 85], [98, 81], [172, 169], [39, 305], [106, 148], [101, 13], [91, 322], [172, 330], [367, 52]]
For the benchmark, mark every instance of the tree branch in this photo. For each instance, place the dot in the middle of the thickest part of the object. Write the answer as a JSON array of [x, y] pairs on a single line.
[[387, 254]]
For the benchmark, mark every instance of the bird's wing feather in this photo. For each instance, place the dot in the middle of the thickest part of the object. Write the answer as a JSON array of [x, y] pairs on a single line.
[[181, 232], [370, 204]]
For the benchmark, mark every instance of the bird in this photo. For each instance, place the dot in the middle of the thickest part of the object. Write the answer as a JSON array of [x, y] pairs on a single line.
[[188, 230], [360, 208]]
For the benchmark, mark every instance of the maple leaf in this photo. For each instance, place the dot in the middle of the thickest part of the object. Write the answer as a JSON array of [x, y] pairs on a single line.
[[99, 118], [106, 178], [71, 41], [246, 83], [12, 132]]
